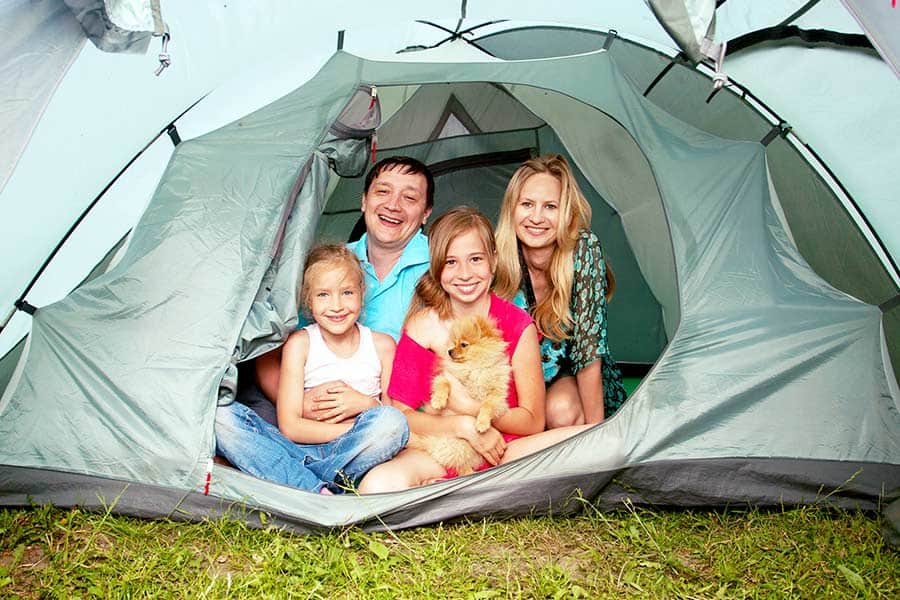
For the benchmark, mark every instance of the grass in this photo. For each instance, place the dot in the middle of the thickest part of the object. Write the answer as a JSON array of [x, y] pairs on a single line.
[[802, 553]]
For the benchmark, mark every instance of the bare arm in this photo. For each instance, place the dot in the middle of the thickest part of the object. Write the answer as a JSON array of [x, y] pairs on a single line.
[[335, 401], [590, 390], [528, 417], [385, 347], [268, 368], [290, 397]]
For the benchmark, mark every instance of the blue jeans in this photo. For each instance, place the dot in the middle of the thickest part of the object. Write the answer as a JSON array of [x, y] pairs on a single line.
[[258, 448]]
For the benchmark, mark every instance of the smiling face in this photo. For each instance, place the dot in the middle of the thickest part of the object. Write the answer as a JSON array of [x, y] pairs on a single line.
[[536, 213], [395, 207], [468, 271], [335, 299]]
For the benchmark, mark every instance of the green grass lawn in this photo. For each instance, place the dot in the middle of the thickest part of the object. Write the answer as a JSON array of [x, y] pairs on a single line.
[[802, 553]]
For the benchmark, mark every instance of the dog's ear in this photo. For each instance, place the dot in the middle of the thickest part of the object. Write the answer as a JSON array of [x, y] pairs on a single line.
[[485, 327]]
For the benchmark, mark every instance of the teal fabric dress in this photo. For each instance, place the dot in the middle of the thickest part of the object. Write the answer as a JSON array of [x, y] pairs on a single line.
[[587, 342]]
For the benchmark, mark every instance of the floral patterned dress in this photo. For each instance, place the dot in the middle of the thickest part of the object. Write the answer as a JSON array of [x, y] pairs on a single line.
[[587, 341]]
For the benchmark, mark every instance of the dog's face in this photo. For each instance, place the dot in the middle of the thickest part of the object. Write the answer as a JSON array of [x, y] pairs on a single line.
[[474, 340]]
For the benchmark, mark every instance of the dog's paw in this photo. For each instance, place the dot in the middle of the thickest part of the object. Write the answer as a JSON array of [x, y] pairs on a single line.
[[483, 420], [440, 393]]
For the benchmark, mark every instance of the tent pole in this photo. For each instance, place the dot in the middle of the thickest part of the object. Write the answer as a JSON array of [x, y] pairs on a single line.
[[22, 303]]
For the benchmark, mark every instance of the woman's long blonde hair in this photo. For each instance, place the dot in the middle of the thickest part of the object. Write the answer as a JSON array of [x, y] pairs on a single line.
[[447, 227], [552, 313]]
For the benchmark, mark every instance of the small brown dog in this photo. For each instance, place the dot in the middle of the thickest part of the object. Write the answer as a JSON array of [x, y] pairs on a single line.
[[476, 356]]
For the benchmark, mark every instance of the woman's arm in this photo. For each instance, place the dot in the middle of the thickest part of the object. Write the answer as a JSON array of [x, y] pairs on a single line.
[[528, 417], [290, 397], [588, 345], [268, 367], [590, 390]]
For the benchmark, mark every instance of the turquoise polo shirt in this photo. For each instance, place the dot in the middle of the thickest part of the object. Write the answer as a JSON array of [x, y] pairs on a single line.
[[387, 300]]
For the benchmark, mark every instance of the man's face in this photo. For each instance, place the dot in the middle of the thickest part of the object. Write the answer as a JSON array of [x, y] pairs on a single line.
[[395, 207]]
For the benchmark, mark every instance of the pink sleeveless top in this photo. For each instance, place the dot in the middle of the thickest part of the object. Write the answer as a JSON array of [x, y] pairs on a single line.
[[415, 366]]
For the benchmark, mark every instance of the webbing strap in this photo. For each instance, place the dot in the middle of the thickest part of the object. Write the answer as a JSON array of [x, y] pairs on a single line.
[[675, 59], [795, 35]]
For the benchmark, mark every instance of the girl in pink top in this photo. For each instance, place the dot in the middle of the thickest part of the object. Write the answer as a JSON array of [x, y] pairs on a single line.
[[458, 283]]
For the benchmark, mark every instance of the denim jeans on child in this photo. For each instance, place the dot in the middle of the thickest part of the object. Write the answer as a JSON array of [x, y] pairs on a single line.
[[257, 447]]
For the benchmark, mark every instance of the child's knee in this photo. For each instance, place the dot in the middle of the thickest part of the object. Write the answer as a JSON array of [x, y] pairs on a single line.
[[384, 478], [387, 425]]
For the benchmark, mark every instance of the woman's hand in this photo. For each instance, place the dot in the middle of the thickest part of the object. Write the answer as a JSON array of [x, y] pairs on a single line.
[[334, 402], [490, 444]]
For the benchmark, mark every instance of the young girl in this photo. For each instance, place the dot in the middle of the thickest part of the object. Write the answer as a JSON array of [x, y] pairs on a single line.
[[329, 446], [458, 283]]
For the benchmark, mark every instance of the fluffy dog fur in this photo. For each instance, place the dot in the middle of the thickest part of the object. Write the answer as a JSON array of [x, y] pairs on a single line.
[[476, 356]]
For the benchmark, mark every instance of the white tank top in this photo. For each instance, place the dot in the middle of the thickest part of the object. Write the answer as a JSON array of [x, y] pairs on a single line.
[[362, 371]]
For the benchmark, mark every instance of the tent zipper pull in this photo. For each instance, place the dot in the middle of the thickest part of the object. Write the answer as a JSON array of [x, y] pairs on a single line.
[[374, 145], [373, 97]]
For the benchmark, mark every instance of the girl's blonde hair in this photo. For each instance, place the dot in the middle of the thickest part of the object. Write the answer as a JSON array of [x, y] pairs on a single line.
[[327, 257], [455, 222], [552, 313]]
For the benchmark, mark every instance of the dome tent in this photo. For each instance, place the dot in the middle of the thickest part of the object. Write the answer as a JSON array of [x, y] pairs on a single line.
[[755, 337]]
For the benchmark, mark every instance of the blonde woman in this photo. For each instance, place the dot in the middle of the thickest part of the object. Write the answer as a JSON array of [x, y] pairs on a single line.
[[550, 263]]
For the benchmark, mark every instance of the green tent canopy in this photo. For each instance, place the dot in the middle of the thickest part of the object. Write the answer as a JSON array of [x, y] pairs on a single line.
[[747, 278]]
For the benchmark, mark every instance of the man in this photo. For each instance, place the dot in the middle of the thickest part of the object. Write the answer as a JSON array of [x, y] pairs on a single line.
[[397, 200]]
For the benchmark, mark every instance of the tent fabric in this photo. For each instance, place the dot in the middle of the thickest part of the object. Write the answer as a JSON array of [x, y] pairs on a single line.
[[34, 56], [141, 355], [248, 55], [120, 25]]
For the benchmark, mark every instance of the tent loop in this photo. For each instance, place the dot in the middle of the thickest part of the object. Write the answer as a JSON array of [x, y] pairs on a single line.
[[25, 306], [611, 36], [173, 134], [779, 129], [164, 59]]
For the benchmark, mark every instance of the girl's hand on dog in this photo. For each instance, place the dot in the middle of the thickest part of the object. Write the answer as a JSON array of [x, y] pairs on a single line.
[[490, 444], [338, 402]]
